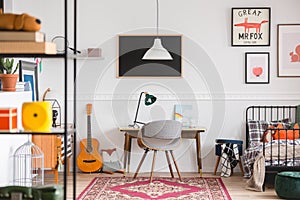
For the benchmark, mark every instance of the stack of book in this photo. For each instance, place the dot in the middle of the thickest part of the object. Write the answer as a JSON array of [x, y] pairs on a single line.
[[20, 86], [25, 42]]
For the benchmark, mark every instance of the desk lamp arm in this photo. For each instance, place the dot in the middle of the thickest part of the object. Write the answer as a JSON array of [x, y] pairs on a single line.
[[137, 111]]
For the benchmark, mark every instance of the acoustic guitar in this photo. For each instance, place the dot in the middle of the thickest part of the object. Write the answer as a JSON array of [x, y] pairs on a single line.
[[89, 159]]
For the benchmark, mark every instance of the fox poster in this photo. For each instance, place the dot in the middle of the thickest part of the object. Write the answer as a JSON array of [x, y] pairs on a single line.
[[251, 26]]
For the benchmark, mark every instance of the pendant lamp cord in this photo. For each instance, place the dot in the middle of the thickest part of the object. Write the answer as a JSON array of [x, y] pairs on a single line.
[[157, 17]]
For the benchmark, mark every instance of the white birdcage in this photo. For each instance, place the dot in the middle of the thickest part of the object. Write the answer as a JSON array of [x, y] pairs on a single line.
[[28, 165]]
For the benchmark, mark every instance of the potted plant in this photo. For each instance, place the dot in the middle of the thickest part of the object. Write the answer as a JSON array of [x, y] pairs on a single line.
[[7, 74]]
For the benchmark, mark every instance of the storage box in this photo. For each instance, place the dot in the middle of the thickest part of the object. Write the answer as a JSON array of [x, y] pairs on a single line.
[[94, 52], [8, 120]]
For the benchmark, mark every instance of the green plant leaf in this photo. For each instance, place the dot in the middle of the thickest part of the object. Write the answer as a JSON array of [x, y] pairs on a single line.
[[7, 66], [17, 67]]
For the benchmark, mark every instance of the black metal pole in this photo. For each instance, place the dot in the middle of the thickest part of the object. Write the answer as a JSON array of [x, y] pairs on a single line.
[[75, 99], [2, 5], [66, 99]]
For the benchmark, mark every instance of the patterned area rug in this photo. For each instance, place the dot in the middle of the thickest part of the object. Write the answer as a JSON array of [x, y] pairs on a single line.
[[120, 188]]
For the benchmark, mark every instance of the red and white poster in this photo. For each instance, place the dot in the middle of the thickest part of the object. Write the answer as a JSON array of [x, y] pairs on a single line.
[[251, 26], [257, 67], [288, 50]]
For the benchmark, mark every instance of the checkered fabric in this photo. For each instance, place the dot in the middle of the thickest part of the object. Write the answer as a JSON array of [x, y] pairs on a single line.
[[248, 159], [229, 159], [252, 152], [257, 129], [69, 151]]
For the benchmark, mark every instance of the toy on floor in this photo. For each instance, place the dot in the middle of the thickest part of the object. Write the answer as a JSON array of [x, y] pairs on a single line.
[[19, 22]]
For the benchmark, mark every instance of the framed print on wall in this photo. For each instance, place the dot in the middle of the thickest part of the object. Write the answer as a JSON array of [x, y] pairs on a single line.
[[28, 72], [257, 67], [250, 26], [288, 50], [131, 49]]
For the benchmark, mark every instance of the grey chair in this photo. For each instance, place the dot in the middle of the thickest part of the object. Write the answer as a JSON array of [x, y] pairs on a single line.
[[162, 135]]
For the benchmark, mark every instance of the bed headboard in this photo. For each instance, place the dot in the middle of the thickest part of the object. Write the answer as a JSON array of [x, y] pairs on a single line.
[[269, 113]]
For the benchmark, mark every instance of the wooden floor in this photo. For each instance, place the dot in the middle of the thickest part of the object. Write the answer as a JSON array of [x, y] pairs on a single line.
[[234, 184]]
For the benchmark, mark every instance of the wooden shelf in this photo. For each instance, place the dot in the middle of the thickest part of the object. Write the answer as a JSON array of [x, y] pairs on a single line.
[[22, 55], [14, 93], [79, 57], [59, 131]]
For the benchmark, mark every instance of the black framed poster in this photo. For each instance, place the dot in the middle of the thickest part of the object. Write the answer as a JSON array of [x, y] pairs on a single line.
[[257, 67], [131, 49], [250, 26]]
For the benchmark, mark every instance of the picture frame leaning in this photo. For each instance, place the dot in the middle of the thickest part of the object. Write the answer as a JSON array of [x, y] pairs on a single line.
[[250, 26], [28, 72]]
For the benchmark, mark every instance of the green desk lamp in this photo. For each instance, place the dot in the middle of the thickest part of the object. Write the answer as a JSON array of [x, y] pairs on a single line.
[[149, 100]]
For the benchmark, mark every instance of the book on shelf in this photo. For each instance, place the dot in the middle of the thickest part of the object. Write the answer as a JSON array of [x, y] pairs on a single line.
[[22, 36], [28, 47], [20, 86]]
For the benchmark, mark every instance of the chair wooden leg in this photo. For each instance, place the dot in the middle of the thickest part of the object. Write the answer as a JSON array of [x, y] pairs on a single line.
[[68, 166], [56, 175], [176, 165], [153, 164], [169, 164], [241, 167], [140, 164], [217, 164]]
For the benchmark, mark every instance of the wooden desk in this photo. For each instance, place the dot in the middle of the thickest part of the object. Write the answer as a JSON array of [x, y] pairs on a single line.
[[187, 133]]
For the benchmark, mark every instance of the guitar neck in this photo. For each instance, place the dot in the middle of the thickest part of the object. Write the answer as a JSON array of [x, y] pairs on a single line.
[[89, 132]]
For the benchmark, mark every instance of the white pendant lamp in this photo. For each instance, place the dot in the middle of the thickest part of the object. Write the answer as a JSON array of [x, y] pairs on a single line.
[[157, 51]]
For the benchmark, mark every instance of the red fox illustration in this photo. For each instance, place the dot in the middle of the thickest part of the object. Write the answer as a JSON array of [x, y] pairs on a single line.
[[248, 25]]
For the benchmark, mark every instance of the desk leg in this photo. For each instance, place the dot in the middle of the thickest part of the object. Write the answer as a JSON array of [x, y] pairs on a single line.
[[129, 153], [198, 144], [126, 146]]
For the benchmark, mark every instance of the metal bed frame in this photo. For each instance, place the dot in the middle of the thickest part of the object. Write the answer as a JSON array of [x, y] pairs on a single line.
[[273, 113]]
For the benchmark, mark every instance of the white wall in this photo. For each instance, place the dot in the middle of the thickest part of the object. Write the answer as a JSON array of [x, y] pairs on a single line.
[[213, 78]]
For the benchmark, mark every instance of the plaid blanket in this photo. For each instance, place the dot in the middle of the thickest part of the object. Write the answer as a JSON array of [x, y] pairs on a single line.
[[252, 153], [248, 159], [229, 158]]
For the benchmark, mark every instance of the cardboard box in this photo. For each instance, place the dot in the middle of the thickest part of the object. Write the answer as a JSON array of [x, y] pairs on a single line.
[[8, 120]]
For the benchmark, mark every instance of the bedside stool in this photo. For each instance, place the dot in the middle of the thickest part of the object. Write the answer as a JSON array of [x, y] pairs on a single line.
[[218, 151]]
